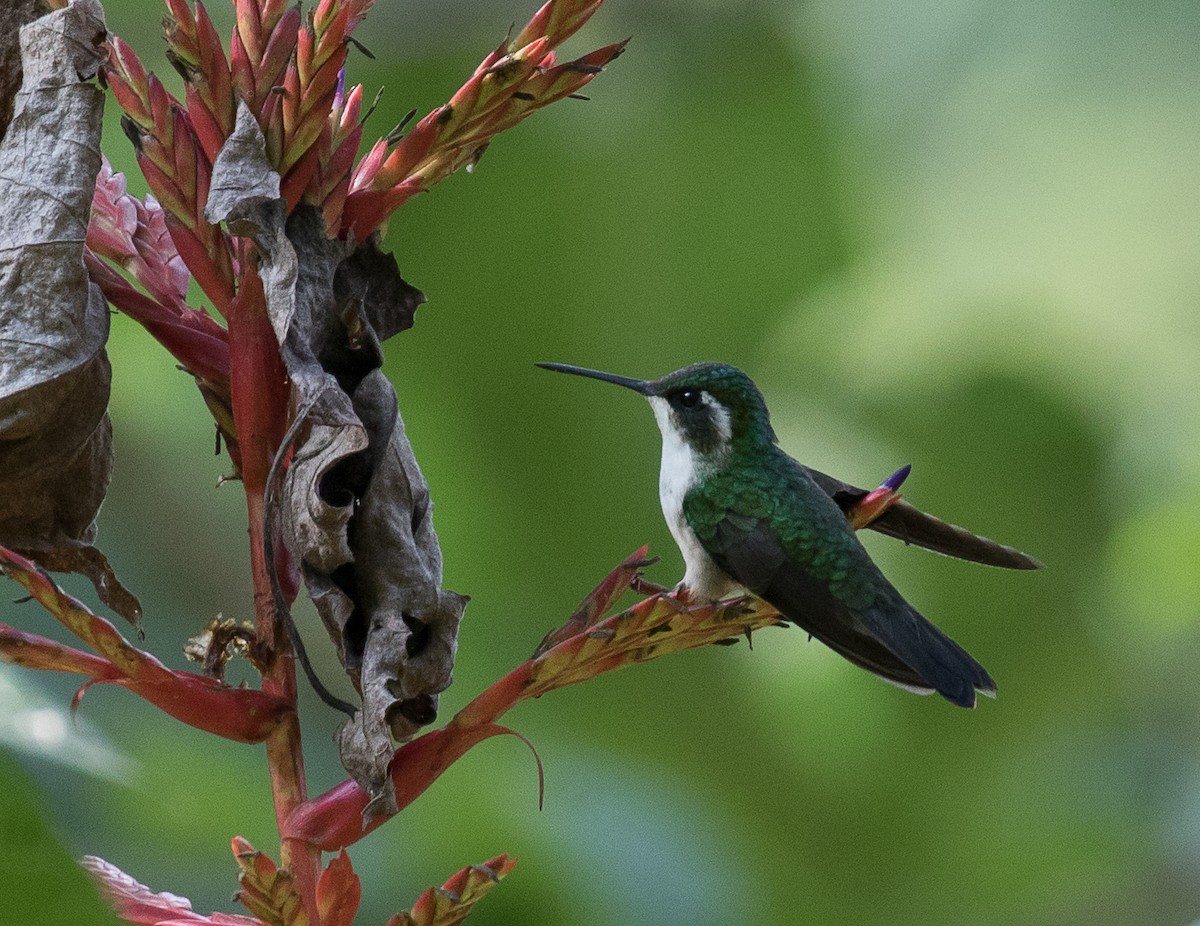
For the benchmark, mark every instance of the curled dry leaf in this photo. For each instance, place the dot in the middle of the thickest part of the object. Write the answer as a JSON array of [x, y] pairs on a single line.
[[220, 641], [55, 436], [353, 507]]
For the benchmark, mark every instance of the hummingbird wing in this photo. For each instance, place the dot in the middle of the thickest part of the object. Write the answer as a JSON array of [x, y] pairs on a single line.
[[912, 525], [795, 549]]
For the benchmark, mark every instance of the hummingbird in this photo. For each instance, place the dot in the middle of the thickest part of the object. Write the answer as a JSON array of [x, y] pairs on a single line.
[[748, 517]]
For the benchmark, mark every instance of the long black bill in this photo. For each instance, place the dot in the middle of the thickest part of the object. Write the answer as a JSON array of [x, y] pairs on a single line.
[[637, 385]]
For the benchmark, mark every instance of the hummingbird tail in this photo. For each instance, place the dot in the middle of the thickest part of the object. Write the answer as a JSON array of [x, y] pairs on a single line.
[[908, 523], [937, 661], [889, 639]]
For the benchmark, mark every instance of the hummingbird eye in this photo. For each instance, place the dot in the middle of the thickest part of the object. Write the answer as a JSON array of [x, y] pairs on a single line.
[[689, 398]]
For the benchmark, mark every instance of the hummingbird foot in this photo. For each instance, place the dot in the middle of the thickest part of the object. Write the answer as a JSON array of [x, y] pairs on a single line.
[[684, 593], [690, 596], [677, 598]]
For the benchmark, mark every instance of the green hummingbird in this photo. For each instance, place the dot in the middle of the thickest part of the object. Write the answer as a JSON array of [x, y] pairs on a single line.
[[746, 516]]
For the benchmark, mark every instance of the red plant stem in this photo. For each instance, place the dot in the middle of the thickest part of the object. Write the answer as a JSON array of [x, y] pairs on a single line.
[[259, 391]]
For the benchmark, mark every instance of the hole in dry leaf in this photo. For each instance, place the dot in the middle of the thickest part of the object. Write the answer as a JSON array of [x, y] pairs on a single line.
[[419, 635], [343, 576], [354, 632], [333, 490], [346, 480], [419, 710]]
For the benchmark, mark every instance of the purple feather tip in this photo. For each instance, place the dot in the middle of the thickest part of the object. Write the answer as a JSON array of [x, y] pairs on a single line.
[[896, 479]]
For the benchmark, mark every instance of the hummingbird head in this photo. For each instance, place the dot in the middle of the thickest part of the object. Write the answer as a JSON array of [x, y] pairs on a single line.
[[712, 408]]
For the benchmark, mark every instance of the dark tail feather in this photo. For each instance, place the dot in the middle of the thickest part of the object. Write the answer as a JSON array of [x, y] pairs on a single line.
[[941, 663], [904, 522], [868, 653], [890, 639], [900, 646], [912, 525]]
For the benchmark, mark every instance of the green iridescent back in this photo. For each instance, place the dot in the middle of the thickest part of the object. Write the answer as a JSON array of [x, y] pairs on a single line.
[[765, 486]]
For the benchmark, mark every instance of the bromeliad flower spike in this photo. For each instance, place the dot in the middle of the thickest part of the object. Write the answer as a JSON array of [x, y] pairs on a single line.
[[258, 196], [256, 192], [747, 516]]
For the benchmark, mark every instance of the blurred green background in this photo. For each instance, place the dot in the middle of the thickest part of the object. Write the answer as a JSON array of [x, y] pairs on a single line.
[[960, 235]]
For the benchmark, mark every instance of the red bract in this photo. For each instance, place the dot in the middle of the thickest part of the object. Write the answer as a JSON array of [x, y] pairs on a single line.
[[176, 167], [240, 714], [290, 72], [194, 48], [338, 892], [515, 80], [265, 889], [132, 234], [449, 904]]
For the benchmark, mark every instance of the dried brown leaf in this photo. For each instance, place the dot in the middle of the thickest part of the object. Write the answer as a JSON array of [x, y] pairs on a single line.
[[55, 436], [242, 179], [13, 15], [353, 507]]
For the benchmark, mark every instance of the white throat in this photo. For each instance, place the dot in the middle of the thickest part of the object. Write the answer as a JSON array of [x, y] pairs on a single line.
[[680, 471]]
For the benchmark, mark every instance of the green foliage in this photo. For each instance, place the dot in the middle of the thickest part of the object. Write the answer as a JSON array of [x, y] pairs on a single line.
[[42, 884]]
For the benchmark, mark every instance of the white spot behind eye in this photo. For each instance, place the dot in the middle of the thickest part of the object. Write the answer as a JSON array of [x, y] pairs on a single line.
[[720, 417]]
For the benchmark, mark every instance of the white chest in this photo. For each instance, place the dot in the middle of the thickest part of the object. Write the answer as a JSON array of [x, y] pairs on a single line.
[[677, 475]]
